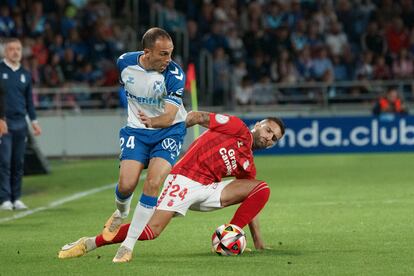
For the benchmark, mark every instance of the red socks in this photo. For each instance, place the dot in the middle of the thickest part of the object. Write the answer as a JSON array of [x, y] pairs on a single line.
[[147, 234], [252, 205]]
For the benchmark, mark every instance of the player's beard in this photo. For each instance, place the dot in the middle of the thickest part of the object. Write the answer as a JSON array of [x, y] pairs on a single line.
[[257, 141]]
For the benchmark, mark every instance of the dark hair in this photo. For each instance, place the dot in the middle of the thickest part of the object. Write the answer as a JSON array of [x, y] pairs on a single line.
[[150, 36], [279, 122]]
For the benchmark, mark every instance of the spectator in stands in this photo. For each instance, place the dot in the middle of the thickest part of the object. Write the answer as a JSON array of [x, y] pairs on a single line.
[[389, 103], [397, 36], [36, 20], [216, 39], [244, 92], [286, 68], [298, 37], [172, 20], [402, 66], [381, 69], [7, 25], [315, 39], [373, 40], [221, 68], [322, 67], [303, 64], [365, 70], [336, 39]]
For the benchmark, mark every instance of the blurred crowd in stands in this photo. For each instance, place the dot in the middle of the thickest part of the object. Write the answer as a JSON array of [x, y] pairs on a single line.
[[67, 44], [73, 42], [296, 41]]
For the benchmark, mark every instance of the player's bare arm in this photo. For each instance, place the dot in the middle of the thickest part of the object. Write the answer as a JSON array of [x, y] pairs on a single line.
[[164, 120], [198, 117]]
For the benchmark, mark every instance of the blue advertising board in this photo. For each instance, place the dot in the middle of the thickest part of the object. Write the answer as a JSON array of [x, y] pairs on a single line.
[[387, 133]]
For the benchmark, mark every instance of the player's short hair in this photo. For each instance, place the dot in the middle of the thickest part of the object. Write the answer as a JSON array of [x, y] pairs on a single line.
[[8, 40], [150, 36], [279, 122]]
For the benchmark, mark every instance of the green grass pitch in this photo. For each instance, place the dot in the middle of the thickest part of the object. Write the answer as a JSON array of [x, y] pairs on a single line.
[[327, 215]]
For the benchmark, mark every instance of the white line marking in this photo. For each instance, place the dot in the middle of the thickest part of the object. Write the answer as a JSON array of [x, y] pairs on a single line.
[[62, 201]]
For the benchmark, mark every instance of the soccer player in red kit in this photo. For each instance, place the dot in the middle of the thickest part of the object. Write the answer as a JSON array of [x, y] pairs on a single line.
[[196, 181]]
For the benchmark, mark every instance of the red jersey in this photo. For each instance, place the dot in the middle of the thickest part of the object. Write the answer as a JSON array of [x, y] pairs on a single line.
[[225, 149]]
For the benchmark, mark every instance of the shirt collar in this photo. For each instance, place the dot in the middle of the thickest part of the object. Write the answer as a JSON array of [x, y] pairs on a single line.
[[13, 67]]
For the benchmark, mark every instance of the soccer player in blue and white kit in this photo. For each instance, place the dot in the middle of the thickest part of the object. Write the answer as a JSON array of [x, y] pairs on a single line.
[[154, 133]]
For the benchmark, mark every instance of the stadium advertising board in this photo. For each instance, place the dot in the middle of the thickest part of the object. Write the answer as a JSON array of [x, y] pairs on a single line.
[[387, 133]]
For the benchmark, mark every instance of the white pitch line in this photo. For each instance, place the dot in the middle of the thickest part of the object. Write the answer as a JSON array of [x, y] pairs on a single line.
[[58, 202], [61, 201]]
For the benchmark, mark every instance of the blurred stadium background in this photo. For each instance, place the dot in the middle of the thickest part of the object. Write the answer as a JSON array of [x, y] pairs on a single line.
[[299, 58], [320, 65]]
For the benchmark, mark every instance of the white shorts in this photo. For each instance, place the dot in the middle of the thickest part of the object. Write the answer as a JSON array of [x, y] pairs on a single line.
[[181, 193]]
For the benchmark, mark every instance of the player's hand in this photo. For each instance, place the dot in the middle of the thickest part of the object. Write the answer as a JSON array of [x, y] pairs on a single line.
[[259, 245], [145, 119], [3, 127], [37, 130]]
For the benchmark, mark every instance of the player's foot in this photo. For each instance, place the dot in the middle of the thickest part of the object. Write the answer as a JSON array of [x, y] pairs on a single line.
[[123, 255], [6, 205], [77, 248], [112, 226], [19, 205]]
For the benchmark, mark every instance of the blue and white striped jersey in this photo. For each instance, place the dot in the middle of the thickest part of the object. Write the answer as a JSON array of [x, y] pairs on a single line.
[[148, 91]]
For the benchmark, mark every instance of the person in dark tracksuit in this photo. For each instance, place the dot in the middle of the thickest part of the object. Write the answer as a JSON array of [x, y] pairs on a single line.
[[3, 125], [17, 86]]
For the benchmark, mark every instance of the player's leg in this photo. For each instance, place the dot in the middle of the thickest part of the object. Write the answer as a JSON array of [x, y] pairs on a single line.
[[17, 166], [152, 230], [158, 169], [129, 174], [253, 196], [5, 159]]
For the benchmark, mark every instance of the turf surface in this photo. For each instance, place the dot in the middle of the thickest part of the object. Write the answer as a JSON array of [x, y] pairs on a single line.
[[327, 215]]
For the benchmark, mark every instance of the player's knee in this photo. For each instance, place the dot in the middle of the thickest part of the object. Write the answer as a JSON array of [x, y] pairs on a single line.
[[262, 191], [156, 230], [126, 187], [151, 186]]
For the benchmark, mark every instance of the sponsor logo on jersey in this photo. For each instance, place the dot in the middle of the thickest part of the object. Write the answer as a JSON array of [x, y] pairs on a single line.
[[179, 92], [169, 144], [239, 144], [5, 76], [246, 164], [222, 119], [130, 80], [145, 100], [229, 159]]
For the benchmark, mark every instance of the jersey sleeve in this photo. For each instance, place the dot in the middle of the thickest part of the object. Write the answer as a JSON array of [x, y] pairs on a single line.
[[29, 98], [227, 124], [121, 64], [2, 101], [124, 61], [174, 84]]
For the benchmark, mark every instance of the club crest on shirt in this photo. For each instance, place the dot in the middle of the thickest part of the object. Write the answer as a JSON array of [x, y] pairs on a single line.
[[5, 76], [158, 87], [22, 78], [222, 119]]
